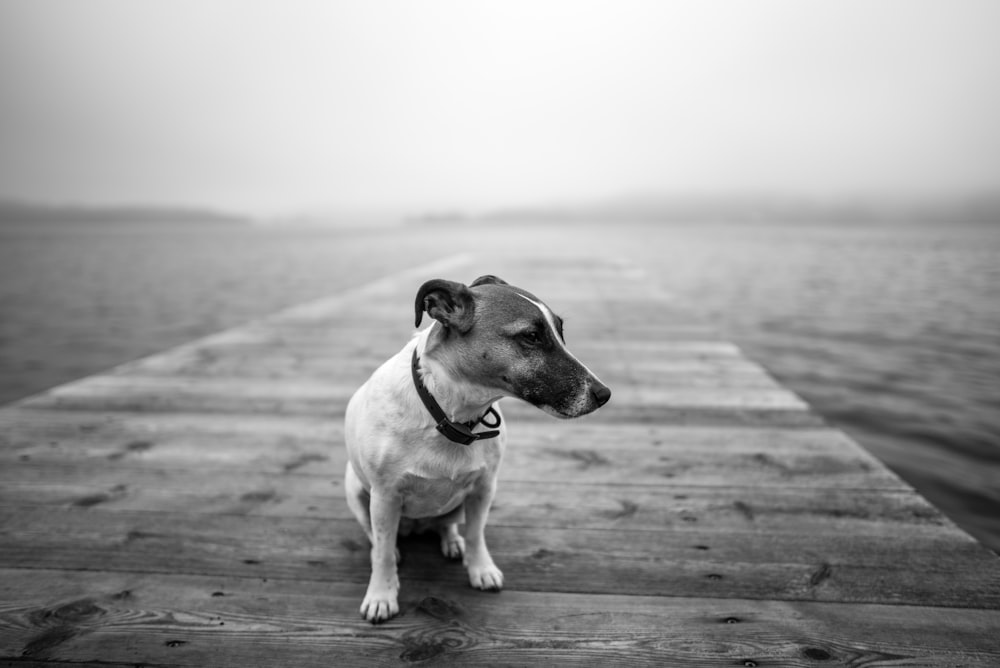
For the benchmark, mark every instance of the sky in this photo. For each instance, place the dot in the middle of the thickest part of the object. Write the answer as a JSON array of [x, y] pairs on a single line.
[[296, 106]]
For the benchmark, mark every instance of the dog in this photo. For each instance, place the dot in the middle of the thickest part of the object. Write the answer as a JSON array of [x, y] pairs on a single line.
[[425, 436]]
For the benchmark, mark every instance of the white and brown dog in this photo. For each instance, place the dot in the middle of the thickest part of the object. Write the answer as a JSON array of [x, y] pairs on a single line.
[[425, 437]]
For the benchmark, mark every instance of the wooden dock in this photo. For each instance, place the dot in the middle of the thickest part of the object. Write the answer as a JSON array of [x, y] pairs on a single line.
[[186, 509]]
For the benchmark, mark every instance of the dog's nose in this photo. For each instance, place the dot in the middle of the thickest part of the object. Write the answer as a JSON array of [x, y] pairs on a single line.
[[601, 394]]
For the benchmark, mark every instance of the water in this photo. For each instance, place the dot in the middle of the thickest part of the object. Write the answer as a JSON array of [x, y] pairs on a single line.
[[892, 332]]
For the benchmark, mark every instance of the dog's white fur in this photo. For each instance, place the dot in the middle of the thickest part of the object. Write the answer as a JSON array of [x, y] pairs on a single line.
[[405, 480]]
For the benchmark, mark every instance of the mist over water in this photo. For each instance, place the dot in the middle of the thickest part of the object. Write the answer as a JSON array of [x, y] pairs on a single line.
[[889, 331]]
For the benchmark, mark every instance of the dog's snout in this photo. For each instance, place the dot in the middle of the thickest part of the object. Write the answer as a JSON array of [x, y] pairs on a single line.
[[601, 393]]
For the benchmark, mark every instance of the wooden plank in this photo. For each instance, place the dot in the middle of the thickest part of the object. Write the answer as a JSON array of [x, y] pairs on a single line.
[[937, 569], [384, 339], [213, 490], [125, 619], [356, 365], [397, 325], [749, 406], [684, 330], [390, 335], [178, 394], [578, 452]]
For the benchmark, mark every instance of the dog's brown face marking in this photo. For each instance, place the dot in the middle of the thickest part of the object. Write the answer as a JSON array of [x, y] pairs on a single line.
[[515, 344]]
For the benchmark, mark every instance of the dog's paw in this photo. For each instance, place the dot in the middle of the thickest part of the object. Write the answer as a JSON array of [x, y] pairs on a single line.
[[379, 606], [453, 547], [486, 578]]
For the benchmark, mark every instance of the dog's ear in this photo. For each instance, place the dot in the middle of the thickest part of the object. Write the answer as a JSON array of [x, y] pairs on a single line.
[[448, 302], [488, 279]]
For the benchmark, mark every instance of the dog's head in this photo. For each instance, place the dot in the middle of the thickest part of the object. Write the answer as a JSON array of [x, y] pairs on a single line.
[[503, 337]]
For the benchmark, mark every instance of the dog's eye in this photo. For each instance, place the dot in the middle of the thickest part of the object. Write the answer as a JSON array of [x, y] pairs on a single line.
[[531, 337]]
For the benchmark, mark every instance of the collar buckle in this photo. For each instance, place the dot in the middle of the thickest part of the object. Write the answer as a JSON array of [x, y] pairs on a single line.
[[460, 433]]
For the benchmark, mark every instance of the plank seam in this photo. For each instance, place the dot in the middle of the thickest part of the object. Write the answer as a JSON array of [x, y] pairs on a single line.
[[360, 583]]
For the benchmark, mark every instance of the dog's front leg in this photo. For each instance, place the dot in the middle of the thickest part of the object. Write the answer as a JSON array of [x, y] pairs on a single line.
[[380, 601], [483, 573]]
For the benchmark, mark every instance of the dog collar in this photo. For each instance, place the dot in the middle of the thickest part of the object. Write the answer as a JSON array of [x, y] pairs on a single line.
[[458, 432]]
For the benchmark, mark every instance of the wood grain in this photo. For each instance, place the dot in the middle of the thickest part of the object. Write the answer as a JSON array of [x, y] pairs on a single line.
[[213, 490], [178, 620], [580, 452], [688, 561]]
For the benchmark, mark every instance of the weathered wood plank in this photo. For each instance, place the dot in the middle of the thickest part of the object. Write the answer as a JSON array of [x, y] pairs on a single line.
[[935, 570], [213, 490], [329, 398], [192, 620], [578, 451], [388, 335], [356, 365]]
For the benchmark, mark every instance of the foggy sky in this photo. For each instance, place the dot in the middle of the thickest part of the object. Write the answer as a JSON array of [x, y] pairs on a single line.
[[307, 106]]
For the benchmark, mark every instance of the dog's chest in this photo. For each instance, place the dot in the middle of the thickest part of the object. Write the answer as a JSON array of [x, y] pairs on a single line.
[[426, 495]]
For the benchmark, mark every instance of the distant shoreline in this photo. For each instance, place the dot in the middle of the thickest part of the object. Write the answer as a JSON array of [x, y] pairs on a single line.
[[14, 214], [729, 209], [680, 210]]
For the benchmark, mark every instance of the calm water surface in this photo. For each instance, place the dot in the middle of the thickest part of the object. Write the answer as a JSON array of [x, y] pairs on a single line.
[[892, 332]]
